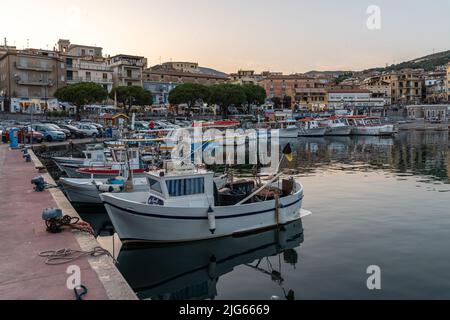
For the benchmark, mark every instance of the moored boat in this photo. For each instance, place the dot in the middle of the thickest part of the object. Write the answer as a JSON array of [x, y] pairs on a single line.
[[87, 191], [367, 126], [188, 206], [336, 127], [309, 127]]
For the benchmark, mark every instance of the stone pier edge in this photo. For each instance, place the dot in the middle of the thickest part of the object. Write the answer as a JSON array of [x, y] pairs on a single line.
[[115, 285]]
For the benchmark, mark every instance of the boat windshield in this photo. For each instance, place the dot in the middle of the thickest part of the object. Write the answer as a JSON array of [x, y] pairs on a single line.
[[186, 187], [155, 185]]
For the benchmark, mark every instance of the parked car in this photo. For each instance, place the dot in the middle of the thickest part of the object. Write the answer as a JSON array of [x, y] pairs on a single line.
[[38, 137], [89, 130], [74, 132], [49, 132], [99, 127], [58, 128], [4, 134]]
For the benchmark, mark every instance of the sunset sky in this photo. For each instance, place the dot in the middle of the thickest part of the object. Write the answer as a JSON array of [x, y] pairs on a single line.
[[283, 35]]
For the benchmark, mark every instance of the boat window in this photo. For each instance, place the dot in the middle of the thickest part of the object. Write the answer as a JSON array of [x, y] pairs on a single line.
[[186, 187], [155, 185]]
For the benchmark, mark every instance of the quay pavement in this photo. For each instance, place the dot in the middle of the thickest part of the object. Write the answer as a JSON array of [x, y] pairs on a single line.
[[23, 274]]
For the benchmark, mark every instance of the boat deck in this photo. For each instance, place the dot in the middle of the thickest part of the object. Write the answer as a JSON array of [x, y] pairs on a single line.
[[23, 274]]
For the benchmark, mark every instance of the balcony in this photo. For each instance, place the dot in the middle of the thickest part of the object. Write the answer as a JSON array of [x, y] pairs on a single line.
[[40, 83], [33, 68], [95, 80], [87, 66]]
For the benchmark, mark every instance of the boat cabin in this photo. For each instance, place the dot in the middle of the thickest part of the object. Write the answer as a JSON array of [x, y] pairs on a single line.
[[197, 189], [189, 189], [309, 123], [118, 155]]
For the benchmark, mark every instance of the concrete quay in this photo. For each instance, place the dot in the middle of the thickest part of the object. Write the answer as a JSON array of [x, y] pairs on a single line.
[[23, 274]]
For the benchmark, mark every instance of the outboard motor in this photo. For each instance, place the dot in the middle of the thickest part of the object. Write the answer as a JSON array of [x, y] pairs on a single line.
[[39, 183], [52, 218]]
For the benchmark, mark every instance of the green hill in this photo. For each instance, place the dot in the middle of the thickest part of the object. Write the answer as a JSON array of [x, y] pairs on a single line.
[[428, 63]]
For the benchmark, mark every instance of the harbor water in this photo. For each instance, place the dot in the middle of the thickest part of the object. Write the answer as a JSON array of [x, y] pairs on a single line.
[[376, 202]]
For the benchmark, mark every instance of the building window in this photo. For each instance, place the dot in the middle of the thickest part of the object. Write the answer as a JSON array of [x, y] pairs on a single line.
[[129, 73], [105, 76], [88, 76]]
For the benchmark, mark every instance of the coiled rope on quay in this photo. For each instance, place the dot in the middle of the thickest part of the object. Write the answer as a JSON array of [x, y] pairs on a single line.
[[63, 256]]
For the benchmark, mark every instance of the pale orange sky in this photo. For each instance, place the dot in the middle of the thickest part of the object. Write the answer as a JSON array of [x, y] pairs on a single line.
[[283, 35]]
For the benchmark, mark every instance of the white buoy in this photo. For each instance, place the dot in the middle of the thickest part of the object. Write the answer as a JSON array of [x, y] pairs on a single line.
[[211, 220]]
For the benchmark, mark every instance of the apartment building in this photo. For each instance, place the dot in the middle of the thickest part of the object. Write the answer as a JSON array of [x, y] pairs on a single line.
[[341, 98], [30, 77], [313, 96], [181, 66], [378, 88], [127, 69], [407, 86], [245, 77], [78, 50], [278, 85], [89, 69], [85, 64], [447, 81], [161, 79], [436, 86]]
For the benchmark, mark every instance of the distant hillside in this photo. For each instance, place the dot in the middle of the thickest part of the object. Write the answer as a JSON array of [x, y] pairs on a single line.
[[428, 63]]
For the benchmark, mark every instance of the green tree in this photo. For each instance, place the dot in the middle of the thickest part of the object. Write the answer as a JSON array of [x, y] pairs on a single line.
[[254, 94], [276, 102], [190, 94], [129, 96], [287, 101], [81, 94], [226, 95]]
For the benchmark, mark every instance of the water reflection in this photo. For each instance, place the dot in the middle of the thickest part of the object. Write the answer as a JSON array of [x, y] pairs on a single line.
[[192, 270], [414, 153]]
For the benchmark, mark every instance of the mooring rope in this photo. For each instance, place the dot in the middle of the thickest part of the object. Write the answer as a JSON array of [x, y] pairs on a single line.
[[63, 256], [71, 222]]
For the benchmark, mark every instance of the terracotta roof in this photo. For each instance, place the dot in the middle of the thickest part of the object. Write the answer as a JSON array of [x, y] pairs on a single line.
[[183, 74], [288, 77]]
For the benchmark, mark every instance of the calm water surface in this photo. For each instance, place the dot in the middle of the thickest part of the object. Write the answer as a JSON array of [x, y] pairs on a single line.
[[375, 201]]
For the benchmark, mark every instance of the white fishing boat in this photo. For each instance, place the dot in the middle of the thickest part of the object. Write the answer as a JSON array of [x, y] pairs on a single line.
[[309, 127], [336, 127], [287, 129], [188, 206], [87, 191], [93, 156], [366, 126], [113, 167]]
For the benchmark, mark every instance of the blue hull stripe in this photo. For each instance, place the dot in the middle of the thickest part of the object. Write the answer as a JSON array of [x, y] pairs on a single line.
[[198, 218]]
